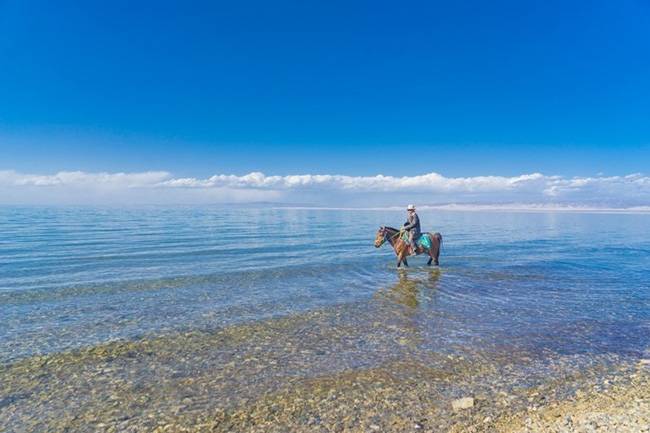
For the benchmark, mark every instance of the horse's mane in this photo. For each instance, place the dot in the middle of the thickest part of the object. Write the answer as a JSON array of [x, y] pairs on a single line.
[[391, 228]]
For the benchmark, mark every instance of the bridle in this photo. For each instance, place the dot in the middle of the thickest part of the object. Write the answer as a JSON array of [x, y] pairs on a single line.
[[385, 238]]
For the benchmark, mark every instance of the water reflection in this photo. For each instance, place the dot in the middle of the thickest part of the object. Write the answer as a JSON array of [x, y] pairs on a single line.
[[409, 289], [210, 314]]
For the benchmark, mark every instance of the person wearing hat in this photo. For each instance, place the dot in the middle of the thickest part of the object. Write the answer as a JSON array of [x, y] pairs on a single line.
[[412, 225]]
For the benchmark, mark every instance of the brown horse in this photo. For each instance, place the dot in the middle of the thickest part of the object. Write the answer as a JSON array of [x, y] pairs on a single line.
[[402, 249]]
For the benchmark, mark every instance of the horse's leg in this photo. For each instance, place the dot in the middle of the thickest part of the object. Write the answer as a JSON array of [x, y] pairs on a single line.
[[404, 254], [401, 258], [400, 250]]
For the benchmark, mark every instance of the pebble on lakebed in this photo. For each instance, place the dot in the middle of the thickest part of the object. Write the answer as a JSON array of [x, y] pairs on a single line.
[[623, 409], [462, 403], [270, 377]]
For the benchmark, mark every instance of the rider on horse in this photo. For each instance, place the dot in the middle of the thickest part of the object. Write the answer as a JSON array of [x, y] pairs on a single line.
[[429, 243], [412, 225]]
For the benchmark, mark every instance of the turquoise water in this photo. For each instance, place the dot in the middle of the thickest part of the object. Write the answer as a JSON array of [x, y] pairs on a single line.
[[567, 283]]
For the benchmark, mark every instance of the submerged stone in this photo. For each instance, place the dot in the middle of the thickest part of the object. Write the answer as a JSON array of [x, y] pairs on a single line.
[[462, 403]]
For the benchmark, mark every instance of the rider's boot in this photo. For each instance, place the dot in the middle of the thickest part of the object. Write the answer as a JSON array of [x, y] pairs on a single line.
[[414, 248]]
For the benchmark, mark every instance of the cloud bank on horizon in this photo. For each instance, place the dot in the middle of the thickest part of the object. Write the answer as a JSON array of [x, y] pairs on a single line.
[[160, 187]]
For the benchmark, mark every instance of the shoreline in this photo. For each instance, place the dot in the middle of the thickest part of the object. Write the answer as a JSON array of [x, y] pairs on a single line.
[[622, 405], [622, 408], [279, 375]]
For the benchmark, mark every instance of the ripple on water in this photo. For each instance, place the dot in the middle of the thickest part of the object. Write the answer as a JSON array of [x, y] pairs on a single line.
[[190, 311]]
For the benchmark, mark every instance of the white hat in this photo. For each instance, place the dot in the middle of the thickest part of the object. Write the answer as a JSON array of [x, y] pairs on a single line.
[[410, 207]]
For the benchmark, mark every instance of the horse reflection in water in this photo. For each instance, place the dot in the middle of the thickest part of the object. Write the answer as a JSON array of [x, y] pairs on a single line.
[[407, 290], [402, 306]]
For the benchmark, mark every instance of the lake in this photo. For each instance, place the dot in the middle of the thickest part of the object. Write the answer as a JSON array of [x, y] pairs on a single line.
[[120, 318]]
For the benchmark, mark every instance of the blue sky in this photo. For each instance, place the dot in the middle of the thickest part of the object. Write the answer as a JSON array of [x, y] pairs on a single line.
[[195, 89]]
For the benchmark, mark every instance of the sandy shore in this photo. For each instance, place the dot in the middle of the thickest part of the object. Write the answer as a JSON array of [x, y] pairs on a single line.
[[624, 409], [620, 409]]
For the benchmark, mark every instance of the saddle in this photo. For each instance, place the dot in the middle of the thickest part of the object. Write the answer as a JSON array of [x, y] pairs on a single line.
[[422, 241]]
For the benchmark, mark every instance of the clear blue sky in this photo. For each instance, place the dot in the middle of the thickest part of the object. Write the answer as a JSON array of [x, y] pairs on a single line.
[[358, 88]]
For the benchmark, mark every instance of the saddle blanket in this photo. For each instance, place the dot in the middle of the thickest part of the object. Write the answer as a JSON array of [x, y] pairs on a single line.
[[423, 241]]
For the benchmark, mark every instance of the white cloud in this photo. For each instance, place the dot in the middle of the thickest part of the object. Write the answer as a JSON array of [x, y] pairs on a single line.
[[163, 187], [83, 179], [426, 182]]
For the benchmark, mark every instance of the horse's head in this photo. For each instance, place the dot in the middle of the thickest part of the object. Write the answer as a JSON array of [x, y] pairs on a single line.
[[380, 237]]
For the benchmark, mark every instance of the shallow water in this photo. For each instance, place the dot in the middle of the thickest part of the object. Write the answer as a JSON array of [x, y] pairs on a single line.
[[222, 307]]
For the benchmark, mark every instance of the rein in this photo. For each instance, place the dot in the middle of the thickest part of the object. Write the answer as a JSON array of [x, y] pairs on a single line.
[[394, 236]]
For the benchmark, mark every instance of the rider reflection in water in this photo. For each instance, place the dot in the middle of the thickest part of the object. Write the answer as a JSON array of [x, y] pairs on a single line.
[[412, 225]]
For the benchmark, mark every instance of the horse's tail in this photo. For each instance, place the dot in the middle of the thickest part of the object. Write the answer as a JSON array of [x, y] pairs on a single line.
[[436, 236]]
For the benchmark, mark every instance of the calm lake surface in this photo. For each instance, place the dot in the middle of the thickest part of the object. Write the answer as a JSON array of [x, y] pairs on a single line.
[[305, 288]]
